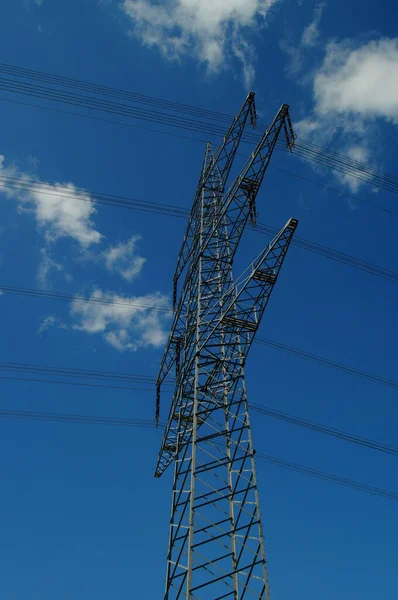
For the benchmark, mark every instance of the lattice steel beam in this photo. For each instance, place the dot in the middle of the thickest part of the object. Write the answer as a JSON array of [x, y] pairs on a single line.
[[216, 547]]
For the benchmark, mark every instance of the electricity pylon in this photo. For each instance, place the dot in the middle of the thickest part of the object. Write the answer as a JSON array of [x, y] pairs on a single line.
[[216, 546]]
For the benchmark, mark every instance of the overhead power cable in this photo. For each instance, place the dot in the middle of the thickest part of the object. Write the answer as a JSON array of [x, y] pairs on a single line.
[[80, 298], [163, 132], [328, 363], [340, 193], [98, 104], [119, 377], [125, 110], [146, 424], [133, 379], [111, 92], [29, 185], [335, 255], [79, 383], [146, 100], [78, 373], [322, 156], [344, 167], [357, 165], [75, 418], [60, 191], [361, 487], [330, 431]]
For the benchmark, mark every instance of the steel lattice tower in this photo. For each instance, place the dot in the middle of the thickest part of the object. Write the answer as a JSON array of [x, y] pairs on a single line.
[[216, 547]]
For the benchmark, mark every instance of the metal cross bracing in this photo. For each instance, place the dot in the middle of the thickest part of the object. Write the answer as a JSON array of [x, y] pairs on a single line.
[[216, 547]]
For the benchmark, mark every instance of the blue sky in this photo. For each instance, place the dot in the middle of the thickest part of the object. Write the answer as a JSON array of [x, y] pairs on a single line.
[[82, 515]]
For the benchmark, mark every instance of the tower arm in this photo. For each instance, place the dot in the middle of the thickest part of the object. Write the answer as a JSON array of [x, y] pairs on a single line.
[[222, 162], [214, 174], [240, 200], [246, 301], [235, 329], [238, 207]]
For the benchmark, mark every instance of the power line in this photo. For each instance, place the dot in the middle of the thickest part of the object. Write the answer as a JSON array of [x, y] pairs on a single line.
[[146, 424], [75, 418], [354, 163], [344, 164], [102, 120], [59, 191], [335, 255], [80, 298], [24, 184], [330, 431], [194, 139], [111, 91], [119, 377], [317, 154], [329, 363], [105, 106], [338, 192], [150, 380], [79, 383], [79, 373], [162, 103], [284, 464]]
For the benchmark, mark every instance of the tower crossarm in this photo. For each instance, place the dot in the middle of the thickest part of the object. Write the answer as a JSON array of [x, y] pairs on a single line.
[[246, 301], [222, 162], [236, 208], [187, 304], [234, 331], [240, 201]]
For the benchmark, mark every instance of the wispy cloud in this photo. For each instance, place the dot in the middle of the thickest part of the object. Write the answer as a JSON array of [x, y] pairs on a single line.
[[298, 52], [60, 209], [215, 32], [355, 85], [124, 327], [310, 35], [46, 265], [50, 322], [124, 259], [361, 81], [359, 154]]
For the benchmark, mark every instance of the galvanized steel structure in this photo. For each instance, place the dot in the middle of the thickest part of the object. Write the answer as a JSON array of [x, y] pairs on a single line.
[[216, 546]]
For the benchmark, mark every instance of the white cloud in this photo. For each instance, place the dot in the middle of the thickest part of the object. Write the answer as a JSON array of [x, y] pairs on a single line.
[[311, 32], [50, 321], [45, 266], [123, 259], [60, 209], [361, 81], [353, 87], [360, 154], [296, 53], [124, 327], [352, 138], [213, 31], [295, 58]]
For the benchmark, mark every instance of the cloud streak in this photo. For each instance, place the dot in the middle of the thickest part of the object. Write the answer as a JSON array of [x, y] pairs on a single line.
[[361, 81], [124, 259], [311, 34], [214, 32], [354, 86], [125, 328], [60, 209]]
